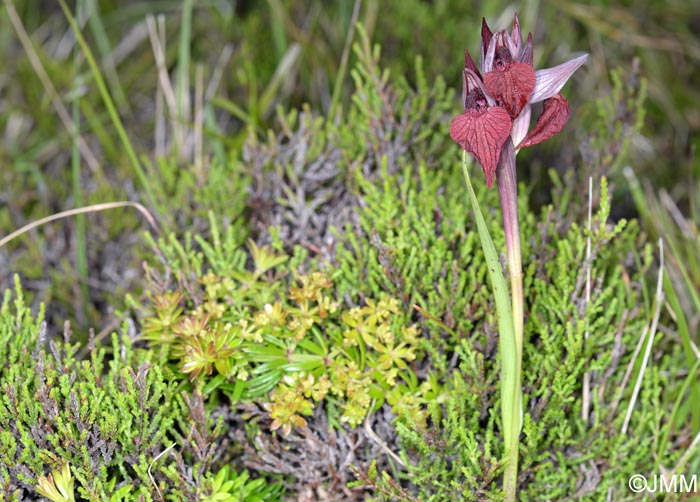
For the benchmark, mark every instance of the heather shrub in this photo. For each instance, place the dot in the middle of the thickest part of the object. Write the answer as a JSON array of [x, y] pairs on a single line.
[[115, 417]]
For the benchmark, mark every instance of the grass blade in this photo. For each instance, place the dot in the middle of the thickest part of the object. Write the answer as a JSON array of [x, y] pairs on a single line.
[[510, 386], [111, 109], [81, 262]]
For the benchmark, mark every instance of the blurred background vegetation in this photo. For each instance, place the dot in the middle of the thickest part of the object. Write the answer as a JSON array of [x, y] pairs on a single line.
[[230, 64]]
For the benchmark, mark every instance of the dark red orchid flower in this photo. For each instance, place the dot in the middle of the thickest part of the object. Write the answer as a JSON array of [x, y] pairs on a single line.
[[498, 105]]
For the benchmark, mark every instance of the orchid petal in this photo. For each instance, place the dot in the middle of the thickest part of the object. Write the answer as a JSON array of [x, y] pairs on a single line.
[[550, 81], [465, 88], [489, 57], [473, 82], [482, 132], [469, 63], [555, 114], [516, 35], [521, 124], [486, 35], [511, 85], [526, 52], [503, 40]]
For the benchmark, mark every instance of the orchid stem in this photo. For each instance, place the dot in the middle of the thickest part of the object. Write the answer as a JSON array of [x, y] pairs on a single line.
[[512, 411], [510, 329]]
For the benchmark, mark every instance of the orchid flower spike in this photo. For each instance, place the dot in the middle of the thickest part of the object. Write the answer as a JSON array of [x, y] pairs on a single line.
[[497, 105]]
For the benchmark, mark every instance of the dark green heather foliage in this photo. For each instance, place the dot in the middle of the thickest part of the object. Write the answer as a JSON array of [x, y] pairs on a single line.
[[111, 419], [457, 458], [407, 235]]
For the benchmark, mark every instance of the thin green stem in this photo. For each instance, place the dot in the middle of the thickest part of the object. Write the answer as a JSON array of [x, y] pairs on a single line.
[[509, 346], [508, 193], [112, 110], [183, 68], [81, 260], [338, 87], [105, 49], [674, 411]]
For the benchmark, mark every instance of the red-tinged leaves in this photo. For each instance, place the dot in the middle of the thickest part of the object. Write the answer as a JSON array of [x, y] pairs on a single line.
[[511, 85], [482, 133], [554, 116]]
